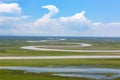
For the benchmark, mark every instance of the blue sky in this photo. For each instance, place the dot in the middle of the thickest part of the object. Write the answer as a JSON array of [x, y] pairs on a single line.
[[60, 17]]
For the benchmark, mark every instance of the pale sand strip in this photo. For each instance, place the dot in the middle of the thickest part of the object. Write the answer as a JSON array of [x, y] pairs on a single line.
[[59, 57]]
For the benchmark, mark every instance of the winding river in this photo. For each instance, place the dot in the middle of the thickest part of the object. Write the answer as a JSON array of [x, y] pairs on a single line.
[[45, 49]]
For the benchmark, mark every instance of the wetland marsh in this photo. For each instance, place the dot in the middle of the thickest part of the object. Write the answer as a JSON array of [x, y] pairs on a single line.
[[60, 69]]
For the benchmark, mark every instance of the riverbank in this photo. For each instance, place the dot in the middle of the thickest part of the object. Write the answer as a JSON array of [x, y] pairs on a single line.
[[20, 75]]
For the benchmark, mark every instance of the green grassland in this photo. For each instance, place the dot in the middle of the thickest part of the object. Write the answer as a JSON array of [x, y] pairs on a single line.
[[12, 47], [113, 63]]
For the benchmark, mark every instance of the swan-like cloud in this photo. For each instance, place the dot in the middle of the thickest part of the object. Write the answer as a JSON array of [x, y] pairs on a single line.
[[52, 10], [75, 22]]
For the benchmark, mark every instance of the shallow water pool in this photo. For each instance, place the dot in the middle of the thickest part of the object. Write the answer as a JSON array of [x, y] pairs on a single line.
[[72, 71]]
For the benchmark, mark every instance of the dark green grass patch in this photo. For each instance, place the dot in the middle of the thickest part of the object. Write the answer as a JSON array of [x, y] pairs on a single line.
[[19, 75], [64, 62]]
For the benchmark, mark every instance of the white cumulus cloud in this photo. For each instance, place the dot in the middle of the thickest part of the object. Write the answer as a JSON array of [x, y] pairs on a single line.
[[13, 8]]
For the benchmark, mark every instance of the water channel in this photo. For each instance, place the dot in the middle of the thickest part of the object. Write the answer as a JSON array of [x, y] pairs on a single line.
[[72, 71]]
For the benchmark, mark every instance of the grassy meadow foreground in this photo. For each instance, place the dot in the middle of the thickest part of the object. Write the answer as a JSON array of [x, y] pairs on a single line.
[[20, 75], [11, 46]]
